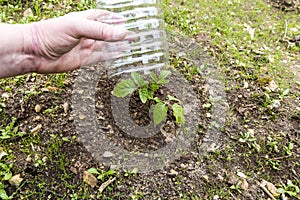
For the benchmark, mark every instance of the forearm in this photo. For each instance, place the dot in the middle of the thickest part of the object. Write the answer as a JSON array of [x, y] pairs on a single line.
[[16, 53]]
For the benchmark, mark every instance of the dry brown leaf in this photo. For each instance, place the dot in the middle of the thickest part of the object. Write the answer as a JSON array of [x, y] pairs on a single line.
[[90, 179]]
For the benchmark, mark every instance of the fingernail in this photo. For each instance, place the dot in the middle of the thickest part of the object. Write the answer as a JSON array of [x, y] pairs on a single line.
[[120, 34]]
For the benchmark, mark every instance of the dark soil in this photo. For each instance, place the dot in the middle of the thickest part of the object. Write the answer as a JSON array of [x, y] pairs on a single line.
[[191, 176]]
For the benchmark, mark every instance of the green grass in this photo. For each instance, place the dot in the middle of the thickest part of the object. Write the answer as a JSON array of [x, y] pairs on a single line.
[[249, 40], [249, 36]]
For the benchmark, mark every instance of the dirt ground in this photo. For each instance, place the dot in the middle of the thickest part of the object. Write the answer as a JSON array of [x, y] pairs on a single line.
[[232, 161]]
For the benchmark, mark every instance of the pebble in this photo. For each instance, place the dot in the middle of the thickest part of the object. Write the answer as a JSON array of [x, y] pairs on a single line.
[[205, 177], [241, 174], [107, 154], [246, 85], [81, 116], [5, 95], [271, 187], [36, 129], [15, 180], [173, 172], [66, 107], [28, 12], [38, 119], [184, 166], [73, 169], [244, 184], [37, 108]]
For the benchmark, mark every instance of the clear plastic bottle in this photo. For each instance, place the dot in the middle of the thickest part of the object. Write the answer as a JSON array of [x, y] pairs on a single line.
[[149, 50]]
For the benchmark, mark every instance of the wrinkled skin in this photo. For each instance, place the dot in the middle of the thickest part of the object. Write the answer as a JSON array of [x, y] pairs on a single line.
[[60, 44]]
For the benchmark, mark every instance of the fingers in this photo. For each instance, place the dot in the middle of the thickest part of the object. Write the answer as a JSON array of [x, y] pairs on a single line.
[[121, 46], [91, 14], [98, 56], [100, 16], [100, 31]]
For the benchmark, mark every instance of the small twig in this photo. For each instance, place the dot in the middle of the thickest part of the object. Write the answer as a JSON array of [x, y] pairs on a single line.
[[285, 31], [53, 192], [262, 185], [105, 184], [282, 157], [233, 196]]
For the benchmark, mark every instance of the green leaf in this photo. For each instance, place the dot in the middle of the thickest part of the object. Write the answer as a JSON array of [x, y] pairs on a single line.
[[7, 176], [159, 113], [150, 94], [143, 93], [162, 81], [138, 79], [124, 88], [285, 92], [280, 190], [206, 105], [93, 170], [154, 87], [110, 172], [3, 194], [178, 112], [154, 77], [164, 74], [172, 98], [157, 100]]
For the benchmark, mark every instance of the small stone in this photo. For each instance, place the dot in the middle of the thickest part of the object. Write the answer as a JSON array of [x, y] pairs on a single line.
[[208, 115], [272, 86], [73, 169], [271, 187], [184, 166], [37, 119], [173, 172], [15, 180], [37, 108], [241, 174], [246, 85], [81, 116], [205, 177], [36, 129], [233, 179], [28, 159], [66, 107], [244, 184], [44, 159], [28, 12], [90, 179], [221, 178], [5, 95], [216, 197], [107, 154], [2, 154], [251, 132], [52, 88]]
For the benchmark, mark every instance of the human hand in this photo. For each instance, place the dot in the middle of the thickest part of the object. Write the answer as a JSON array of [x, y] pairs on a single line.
[[74, 40]]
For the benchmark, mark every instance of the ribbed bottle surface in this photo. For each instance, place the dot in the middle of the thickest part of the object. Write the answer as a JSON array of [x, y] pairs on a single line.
[[149, 50]]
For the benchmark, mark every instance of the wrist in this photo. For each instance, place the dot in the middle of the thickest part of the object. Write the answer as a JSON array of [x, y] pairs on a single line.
[[16, 50]]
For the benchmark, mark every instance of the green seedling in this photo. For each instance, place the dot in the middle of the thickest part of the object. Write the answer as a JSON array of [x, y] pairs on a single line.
[[10, 130], [5, 175], [290, 189], [102, 175], [237, 187], [146, 90]]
